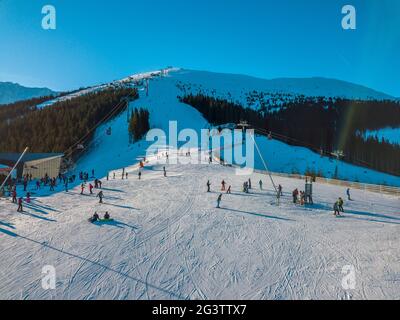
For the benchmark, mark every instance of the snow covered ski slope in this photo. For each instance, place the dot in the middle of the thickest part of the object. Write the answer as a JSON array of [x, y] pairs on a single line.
[[163, 104], [168, 241]]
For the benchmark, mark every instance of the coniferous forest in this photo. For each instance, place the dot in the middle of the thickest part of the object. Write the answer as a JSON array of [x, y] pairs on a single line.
[[60, 126], [320, 124], [139, 124]]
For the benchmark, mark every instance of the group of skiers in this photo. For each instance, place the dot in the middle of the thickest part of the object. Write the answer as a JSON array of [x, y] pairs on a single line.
[[299, 197]]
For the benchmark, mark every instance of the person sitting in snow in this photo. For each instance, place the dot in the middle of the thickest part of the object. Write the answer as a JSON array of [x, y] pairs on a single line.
[[107, 216], [94, 218]]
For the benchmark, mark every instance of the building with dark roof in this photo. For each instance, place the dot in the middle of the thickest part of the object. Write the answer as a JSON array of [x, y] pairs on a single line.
[[35, 164]]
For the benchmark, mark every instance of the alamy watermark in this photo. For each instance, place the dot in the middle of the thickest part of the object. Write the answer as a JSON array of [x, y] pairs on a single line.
[[49, 278], [234, 147], [49, 20]]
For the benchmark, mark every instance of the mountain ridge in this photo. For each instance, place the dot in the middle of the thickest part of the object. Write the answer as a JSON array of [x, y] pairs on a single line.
[[11, 92]]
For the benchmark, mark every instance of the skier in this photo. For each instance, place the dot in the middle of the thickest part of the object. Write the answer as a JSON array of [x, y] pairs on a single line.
[[229, 190], [20, 209], [114, 175], [348, 194], [280, 193], [295, 194], [140, 175], [37, 185], [336, 209], [165, 172], [208, 186], [249, 185], [261, 184], [340, 204], [90, 188], [219, 200], [126, 176], [28, 197], [100, 196], [223, 183], [108, 176], [14, 196], [82, 188], [123, 173]]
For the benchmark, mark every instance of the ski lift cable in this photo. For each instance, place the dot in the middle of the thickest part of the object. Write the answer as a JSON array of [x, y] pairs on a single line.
[[265, 164], [96, 126], [106, 118]]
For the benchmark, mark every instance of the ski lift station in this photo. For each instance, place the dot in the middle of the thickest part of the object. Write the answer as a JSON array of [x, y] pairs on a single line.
[[35, 164]]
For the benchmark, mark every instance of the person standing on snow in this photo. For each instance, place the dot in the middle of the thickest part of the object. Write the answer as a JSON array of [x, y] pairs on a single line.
[[340, 204], [249, 185], [336, 209], [14, 196], [20, 209], [90, 188], [140, 175], [261, 184], [280, 194], [208, 186], [100, 196], [165, 172], [219, 200], [229, 190], [348, 194], [223, 183], [82, 188], [295, 195]]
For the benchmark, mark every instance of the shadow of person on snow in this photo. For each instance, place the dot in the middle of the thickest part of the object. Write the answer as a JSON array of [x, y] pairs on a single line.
[[257, 214]]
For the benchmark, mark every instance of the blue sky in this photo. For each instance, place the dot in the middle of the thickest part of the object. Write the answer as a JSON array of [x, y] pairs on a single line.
[[99, 41]]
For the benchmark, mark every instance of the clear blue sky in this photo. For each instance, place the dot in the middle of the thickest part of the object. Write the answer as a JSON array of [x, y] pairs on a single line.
[[99, 41]]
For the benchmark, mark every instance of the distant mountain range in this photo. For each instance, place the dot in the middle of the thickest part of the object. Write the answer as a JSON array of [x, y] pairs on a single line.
[[12, 92]]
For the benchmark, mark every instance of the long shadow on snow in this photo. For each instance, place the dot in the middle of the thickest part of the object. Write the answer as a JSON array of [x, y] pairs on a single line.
[[257, 214], [361, 213], [37, 217], [36, 209], [123, 274], [9, 233], [113, 190], [119, 206], [8, 225], [115, 223]]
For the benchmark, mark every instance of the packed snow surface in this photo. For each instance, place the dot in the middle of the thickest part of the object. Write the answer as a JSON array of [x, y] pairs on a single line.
[[168, 240]]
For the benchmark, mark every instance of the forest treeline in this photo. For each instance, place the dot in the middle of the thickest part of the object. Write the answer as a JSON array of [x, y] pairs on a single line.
[[139, 124], [323, 125], [60, 126]]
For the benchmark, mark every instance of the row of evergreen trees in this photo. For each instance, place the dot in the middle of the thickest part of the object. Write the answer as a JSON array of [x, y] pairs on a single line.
[[139, 124], [318, 124], [60, 126]]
